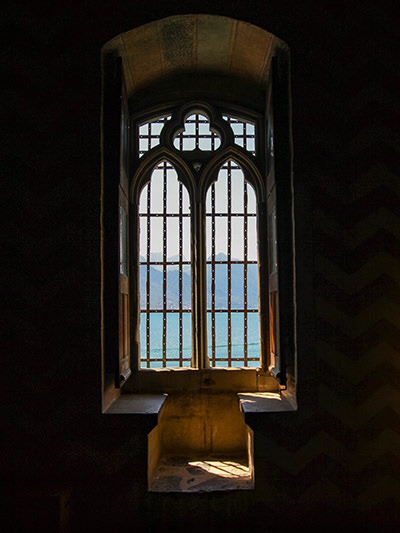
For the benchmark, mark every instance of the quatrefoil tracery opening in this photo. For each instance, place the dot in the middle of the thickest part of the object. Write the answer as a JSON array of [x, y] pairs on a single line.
[[197, 135]]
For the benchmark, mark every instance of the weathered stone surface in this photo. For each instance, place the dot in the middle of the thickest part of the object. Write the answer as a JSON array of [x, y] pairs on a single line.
[[197, 44], [204, 474]]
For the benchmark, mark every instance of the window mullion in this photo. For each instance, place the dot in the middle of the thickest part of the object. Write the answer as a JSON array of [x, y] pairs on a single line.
[[199, 288], [263, 290]]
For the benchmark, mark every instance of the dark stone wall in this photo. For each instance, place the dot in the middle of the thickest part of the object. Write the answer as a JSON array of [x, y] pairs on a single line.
[[336, 460]]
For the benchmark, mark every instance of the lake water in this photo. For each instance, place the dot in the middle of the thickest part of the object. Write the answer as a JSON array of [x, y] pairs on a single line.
[[221, 337]]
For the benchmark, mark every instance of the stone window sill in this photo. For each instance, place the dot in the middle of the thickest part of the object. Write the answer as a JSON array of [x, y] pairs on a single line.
[[152, 404]]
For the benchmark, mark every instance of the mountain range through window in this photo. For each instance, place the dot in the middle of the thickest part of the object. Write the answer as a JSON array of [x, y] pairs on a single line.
[[221, 291]]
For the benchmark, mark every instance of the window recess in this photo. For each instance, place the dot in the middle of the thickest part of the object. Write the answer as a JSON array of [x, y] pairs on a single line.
[[204, 196]]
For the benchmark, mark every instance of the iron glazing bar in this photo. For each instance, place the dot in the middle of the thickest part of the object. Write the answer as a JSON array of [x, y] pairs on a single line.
[[156, 215], [245, 136], [200, 136], [213, 354], [229, 267], [180, 275], [172, 311], [233, 262], [148, 280], [222, 214], [245, 340], [180, 137], [233, 310], [169, 263], [164, 332], [234, 359], [172, 359], [197, 121]]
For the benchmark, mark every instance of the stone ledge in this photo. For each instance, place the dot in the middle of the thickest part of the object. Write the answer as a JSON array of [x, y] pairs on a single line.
[[137, 404], [258, 403], [147, 406]]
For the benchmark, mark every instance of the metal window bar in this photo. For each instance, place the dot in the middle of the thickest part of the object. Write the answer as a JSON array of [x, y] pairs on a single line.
[[245, 262], [164, 332], [150, 360], [148, 279], [213, 354], [197, 120], [180, 275], [229, 266], [213, 268]]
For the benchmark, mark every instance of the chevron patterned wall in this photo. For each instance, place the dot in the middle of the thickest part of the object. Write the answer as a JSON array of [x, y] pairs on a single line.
[[334, 462]]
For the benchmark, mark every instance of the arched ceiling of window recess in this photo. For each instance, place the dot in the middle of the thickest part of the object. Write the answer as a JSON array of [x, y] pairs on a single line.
[[206, 55]]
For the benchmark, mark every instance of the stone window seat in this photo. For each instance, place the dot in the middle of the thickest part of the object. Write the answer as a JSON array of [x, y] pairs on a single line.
[[200, 442]]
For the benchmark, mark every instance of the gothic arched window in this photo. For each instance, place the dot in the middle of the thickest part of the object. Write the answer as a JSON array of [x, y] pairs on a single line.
[[212, 228]]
